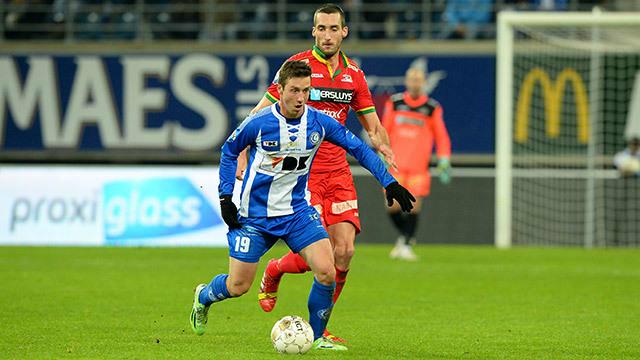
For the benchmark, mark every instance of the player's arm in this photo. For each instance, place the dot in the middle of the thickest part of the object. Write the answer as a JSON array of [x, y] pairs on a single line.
[[366, 112], [243, 157], [378, 135], [443, 145], [235, 144], [341, 136]]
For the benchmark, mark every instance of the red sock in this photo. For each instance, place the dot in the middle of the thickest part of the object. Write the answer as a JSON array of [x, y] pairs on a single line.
[[341, 278], [292, 264]]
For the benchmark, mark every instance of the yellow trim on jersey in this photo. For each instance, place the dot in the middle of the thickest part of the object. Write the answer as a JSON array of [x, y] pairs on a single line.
[[270, 97], [366, 110], [319, 55]]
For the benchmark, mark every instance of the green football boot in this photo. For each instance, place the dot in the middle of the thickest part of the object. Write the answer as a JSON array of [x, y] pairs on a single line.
[[199, 312], [322, 343]]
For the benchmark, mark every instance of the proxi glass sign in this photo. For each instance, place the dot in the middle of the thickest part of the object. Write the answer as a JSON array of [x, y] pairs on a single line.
[[122, 206], [153, 208]]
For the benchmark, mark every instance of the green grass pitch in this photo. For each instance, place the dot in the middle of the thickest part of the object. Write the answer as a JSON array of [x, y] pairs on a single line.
[[458, 302]]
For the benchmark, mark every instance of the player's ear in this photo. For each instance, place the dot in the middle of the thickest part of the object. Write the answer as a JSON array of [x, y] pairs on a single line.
[[280, 89], [345, 31], [313, 31]]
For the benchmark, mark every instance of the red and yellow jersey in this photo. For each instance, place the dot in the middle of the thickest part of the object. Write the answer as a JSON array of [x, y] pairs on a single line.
[[413, 126], [333, 92]]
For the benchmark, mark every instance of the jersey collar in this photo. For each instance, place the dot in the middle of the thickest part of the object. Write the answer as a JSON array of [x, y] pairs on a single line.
[[321, 57]]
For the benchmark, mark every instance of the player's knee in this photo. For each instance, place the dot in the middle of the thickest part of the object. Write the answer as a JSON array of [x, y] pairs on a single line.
[[344, 251], [238, 288], [326, 275]]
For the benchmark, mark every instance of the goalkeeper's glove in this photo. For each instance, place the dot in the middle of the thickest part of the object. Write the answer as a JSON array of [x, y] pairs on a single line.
[[398, 193], [444, 171], [229, 212]]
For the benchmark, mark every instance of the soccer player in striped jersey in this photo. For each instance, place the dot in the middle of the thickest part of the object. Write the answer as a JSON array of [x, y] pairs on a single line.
[[283, 141], [338, 85], [414, 123]]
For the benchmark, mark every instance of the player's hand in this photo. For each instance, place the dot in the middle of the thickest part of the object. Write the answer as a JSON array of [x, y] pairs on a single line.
[[242, 165], [444, 171], [388, 156], [229, 212], [239, 173], [398, 193]]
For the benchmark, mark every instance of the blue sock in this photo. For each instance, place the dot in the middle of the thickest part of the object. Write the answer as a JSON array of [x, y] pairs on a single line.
[[215, 291], [320, 305]]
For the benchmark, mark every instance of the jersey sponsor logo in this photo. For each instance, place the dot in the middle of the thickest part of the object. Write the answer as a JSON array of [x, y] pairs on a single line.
[[314, 137], [342, 96], [315, 75], [339, 208], [334, 114], [135, 209], [347, 78], [286, 163], [270, 143]]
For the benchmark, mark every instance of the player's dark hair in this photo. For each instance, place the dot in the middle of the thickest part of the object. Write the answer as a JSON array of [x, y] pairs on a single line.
[[293, 69], [330, 8]]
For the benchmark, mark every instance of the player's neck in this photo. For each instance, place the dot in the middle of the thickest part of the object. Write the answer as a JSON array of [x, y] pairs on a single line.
[[333, 60], [282, 111]]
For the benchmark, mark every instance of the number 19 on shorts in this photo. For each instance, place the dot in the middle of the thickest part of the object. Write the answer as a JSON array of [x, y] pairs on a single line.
[[242, 244]]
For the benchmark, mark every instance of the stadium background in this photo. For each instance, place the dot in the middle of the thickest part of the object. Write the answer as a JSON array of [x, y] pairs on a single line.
[[151, 84]]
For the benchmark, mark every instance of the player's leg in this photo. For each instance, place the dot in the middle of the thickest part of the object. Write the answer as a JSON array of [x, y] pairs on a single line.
[[306, 235], [246, 246], [397, 217], [223, 286], [398, 220], [419, 185], [343, 237], [343, 223], [290, 263]]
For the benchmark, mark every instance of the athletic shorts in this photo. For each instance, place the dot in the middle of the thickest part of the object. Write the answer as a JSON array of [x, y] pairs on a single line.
[[258, 235], [333, 194], [418, 183]]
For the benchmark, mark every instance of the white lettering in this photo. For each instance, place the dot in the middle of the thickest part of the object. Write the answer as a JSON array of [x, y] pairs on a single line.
[[91, 102], [138, 100], [39, 92], [215, 117]]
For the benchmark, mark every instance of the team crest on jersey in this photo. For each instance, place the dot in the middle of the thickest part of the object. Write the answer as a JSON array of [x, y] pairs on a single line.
[[314, 137], [270, 143], [347, 78]]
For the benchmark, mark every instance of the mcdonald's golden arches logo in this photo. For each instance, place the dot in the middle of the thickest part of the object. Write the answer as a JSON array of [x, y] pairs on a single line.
[[553, 94]]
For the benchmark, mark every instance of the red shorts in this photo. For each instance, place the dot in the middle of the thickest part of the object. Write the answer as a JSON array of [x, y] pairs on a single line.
[[333, 194], [418, 183]]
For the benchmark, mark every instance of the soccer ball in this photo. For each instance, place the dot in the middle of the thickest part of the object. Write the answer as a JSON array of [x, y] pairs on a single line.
[[292, 335]]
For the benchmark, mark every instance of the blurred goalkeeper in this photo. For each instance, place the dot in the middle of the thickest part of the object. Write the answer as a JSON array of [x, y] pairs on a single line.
[[414, 122]]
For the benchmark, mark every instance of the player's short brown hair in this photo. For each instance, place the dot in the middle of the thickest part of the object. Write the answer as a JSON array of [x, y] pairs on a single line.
[[330, 8], [293, 69]]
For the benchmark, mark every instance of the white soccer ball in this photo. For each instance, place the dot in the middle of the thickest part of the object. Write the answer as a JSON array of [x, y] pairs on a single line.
[[631, 165], [292, 335]]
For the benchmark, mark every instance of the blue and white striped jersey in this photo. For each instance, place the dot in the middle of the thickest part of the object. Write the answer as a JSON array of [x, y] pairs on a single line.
[[280, 156]]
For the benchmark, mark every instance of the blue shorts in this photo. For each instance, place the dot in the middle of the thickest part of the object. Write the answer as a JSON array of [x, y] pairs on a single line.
[[257, 235]]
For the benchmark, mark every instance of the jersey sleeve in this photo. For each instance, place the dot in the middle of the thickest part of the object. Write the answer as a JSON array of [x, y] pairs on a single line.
[[362, 102], [441, 135], [243, 136], [339, 135]]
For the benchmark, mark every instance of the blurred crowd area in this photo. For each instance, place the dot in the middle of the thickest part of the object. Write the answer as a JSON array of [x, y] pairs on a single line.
[[216, 20]]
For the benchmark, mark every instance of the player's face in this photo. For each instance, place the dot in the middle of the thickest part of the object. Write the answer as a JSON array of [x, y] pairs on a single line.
[[294, 95], [414, 81], [328, 32]]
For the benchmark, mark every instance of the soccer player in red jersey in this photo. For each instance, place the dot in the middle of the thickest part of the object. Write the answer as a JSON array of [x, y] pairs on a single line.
[[337, 85], [414, 123]]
